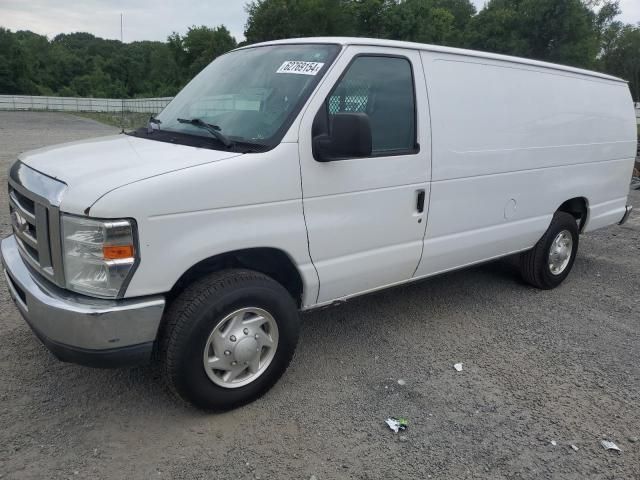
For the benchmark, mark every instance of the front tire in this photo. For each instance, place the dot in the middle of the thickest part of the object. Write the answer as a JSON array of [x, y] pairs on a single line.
[[549, 262], [228, 338]]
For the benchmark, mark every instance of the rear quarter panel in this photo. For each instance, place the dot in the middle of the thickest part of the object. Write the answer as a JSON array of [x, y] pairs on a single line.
[[511, 143]]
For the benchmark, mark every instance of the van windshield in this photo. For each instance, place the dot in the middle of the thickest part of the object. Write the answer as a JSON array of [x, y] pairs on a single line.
[[250, 95]]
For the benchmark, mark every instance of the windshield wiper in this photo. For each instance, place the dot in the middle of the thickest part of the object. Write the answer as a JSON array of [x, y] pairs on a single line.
[[212, 129], [150, 124]]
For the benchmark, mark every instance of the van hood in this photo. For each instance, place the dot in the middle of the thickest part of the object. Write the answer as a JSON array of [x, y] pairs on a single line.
[[92, 168]]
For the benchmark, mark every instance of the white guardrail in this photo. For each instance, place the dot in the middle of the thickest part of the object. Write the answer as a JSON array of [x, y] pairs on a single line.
[[77, 104], [115, 105]]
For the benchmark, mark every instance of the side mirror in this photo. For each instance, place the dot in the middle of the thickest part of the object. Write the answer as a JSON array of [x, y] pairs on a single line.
[[349, 137]]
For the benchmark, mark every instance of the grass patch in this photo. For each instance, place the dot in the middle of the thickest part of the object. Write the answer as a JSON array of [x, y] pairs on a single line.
[[130, 120]]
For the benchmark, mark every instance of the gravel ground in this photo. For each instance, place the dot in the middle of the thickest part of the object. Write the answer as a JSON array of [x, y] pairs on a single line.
[[538, 367]]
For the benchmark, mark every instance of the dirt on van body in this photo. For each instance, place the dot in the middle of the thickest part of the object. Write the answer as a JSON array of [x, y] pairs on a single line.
[[538, 366]]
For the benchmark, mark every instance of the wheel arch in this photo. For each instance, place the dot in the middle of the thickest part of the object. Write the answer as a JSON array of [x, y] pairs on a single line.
[[273, 262], [579, 208]]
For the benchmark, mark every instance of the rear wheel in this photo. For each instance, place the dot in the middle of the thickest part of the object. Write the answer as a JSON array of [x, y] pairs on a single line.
[[549, 262], [228, 338]]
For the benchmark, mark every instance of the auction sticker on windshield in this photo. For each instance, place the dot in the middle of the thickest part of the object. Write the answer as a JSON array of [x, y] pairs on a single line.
[[300, 67]]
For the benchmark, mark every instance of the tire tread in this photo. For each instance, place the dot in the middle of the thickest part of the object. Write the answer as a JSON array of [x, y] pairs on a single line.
[[184, 307], [533, 262]]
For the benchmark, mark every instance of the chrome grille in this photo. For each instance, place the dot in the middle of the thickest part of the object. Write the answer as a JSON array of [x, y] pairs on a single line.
[[34, 199], [25, 217]]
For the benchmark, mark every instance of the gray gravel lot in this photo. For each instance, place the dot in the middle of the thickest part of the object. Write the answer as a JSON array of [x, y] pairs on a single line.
[[558, 365]]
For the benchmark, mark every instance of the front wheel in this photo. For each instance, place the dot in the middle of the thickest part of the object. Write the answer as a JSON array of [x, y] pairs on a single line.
[[228, 338], [549, 262]]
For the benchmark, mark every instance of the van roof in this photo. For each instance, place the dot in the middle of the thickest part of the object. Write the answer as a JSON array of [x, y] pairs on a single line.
[[436, 48]]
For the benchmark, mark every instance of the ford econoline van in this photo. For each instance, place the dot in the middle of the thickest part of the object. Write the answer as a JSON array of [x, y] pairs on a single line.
[[295, 174]]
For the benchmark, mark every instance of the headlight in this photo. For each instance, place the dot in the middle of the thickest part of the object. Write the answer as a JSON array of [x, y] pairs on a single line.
[[99, 255]]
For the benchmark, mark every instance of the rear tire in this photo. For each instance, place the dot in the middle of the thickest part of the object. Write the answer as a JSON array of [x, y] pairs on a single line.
[[549, 262], [199, 328]]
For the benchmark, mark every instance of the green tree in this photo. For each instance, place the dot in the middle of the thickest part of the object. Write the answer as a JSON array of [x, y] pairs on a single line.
[[18, 68], [421, 21], [9, 68], [275, 19], [370, 17], [82, 64], [462, 11], [564, 31], [203, 44], [439, 21], [621, 55]]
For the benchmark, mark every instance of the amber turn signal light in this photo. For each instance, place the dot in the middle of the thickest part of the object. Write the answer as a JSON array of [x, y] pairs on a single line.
[[116, 252]]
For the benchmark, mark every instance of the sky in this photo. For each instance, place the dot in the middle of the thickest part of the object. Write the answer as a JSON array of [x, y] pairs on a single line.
[[150, 19]]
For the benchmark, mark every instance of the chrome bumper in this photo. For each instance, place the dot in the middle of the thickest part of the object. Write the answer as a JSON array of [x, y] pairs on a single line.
[[77, 328], [627, 211]]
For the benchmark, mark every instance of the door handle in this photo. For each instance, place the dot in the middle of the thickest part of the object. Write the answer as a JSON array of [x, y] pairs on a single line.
[[420, 200]]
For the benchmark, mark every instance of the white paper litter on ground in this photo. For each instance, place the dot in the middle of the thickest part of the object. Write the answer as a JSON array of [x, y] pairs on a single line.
[[554, 443], [607, 445], [574, 448], [402, 382], [458, 367], [396, 424], [393, 424]]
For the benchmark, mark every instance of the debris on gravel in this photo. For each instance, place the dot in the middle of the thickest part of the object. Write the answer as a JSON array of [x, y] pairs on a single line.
[[607, 445], [458, 367], [397, 424]]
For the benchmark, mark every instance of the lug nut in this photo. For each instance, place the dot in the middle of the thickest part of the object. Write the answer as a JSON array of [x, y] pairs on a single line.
[[246, 331], [232, 338], [227, 352]]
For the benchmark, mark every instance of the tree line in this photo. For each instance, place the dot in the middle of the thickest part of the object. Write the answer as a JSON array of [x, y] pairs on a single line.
[[581, 33]]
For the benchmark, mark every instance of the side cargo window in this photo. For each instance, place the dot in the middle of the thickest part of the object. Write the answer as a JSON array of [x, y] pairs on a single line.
[[382, 87]]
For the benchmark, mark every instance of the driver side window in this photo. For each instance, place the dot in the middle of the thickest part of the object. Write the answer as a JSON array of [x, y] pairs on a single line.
[[381, 87]]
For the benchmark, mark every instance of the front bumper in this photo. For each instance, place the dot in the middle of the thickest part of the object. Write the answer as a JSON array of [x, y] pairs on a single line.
[[80, 329]]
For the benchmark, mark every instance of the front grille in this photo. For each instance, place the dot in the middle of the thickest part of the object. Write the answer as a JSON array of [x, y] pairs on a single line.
[[30, 226], [33, 204]]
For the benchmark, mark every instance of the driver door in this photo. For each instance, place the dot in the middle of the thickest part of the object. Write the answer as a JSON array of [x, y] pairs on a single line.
[[366, 217]]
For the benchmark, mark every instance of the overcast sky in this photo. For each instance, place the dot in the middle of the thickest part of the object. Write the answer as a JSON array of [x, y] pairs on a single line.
[[149, 19]]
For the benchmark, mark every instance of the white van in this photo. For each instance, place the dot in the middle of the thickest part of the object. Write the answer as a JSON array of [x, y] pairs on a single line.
[[294, 174]]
